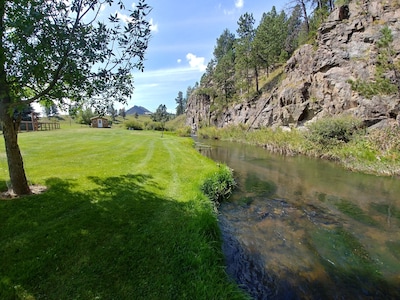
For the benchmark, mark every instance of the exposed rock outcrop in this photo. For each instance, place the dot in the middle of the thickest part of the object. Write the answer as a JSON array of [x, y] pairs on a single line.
[[316, 79]]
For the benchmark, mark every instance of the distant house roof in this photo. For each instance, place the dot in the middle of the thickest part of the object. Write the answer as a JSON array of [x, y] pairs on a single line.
[[98, 117]]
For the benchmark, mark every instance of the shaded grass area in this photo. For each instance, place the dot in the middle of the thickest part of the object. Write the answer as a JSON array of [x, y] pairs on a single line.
[[123, 218]]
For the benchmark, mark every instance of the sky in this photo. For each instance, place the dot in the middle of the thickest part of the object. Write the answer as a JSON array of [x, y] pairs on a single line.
[[184, 34]]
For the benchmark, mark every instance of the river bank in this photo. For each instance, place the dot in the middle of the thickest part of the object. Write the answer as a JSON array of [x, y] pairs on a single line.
[[374, 151], [302, 228]]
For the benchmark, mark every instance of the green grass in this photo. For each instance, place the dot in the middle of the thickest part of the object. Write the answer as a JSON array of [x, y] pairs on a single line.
[[123, 218]]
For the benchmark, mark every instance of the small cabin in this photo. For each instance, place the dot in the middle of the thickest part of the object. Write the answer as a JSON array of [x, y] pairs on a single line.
[[99, 122]]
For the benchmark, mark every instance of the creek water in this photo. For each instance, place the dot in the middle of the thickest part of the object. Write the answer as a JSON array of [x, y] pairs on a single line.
[[300, 228]]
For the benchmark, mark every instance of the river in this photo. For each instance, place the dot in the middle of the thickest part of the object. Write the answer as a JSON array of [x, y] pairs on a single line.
[[301, 228]]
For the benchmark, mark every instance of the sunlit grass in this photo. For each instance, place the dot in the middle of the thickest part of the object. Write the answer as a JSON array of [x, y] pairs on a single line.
[[123, 218]]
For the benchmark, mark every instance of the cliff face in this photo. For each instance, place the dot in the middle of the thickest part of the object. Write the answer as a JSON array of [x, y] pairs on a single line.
[[317, 79]]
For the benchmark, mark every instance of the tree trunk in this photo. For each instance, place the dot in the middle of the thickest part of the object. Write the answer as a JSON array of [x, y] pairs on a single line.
[[10, 128], [256, 75], [14, 158], [305, 15]]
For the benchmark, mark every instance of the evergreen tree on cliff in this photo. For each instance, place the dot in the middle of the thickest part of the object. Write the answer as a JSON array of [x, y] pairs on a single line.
[[58, 50], [181, 104], [269, 41], [244, 59], [224, 72]]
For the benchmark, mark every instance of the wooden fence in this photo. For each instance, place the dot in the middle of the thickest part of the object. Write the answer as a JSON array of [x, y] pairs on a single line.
[[35, 126]]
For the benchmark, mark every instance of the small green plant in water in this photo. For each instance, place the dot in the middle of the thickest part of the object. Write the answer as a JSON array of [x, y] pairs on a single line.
[[355, 212]]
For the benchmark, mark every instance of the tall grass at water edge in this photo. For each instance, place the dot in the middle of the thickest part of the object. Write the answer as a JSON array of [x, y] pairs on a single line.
[[340, 139], [123, 218]]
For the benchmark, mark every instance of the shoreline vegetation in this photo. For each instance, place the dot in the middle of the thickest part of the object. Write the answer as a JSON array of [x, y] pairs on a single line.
[[123, 217], [341, 139]]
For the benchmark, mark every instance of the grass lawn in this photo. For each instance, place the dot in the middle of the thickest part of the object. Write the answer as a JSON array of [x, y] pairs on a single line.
[[123, 218]]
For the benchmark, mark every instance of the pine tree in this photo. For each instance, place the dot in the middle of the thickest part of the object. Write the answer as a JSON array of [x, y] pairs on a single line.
[[270, 38], [243, 48], [180, 109]]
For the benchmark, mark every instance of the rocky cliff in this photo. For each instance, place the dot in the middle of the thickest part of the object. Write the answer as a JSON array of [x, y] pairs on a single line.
[[317, 78]]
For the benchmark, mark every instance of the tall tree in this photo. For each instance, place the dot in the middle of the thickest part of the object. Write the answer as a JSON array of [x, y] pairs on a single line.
[[161, 115], [324, 4], [84, 115], [122, 112], [270, 38], [54, 50], [189, 92], [303, 4], [50, 109], [224, 44], [225, 68], [224, 76], [206, 79], [243, 48], [112, 111], [294, 25], [180, 101]]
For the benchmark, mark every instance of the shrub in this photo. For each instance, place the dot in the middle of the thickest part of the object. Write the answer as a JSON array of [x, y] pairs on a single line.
[[133, 124], [382, 83], [341, 2], [385, 140], [211, 132], [184, 131], [220, 185], [155, 126], [333, 130]]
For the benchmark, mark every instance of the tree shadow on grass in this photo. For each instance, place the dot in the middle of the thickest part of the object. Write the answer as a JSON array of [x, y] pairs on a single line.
[[116, 241]]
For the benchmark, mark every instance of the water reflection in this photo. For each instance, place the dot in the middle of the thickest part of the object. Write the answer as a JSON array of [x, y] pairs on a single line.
[[298, 228]]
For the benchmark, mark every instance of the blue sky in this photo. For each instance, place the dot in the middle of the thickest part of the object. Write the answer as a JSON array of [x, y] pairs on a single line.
[[184, 35]]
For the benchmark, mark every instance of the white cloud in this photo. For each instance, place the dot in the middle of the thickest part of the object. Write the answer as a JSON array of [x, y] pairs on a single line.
[[229, 12], [127, 19], [153, 27], [239, 3], [123, 18], [238, 6], [196, 62], [150, 85], [179, 61]]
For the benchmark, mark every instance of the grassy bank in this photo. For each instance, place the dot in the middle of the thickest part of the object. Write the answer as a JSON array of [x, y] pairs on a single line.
[[123, 218], [337, 139]]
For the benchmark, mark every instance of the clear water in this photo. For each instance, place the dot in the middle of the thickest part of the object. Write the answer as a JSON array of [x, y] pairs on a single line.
[[300, 228]]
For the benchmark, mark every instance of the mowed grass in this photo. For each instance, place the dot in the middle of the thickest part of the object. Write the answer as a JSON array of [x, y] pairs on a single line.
[[123, 218]]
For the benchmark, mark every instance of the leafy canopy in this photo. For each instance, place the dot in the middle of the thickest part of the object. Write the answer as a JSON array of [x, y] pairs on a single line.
[[59, 50]]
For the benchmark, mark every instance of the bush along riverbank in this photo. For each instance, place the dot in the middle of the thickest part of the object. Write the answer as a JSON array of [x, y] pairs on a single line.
[[219, 186], [341, 139]]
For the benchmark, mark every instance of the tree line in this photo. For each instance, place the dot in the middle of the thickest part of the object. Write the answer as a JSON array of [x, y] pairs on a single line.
[[240, 59]]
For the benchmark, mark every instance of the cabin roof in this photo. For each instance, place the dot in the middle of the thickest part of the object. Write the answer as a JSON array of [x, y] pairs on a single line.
[[98, 117]]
